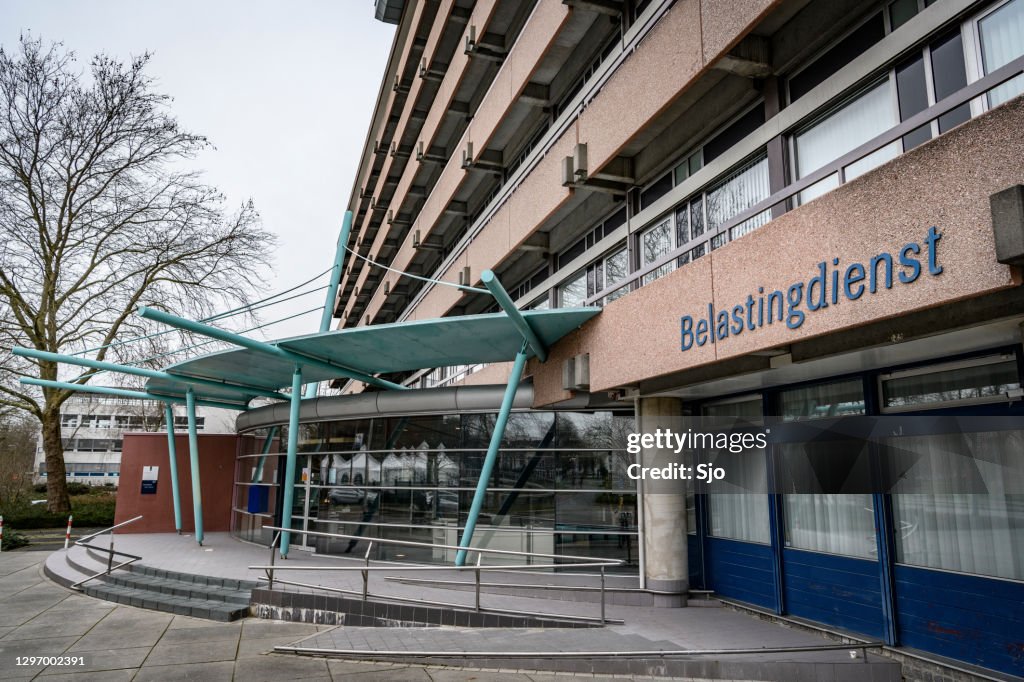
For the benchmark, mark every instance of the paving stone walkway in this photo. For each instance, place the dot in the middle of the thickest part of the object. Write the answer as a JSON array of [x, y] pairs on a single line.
[[120, 643]]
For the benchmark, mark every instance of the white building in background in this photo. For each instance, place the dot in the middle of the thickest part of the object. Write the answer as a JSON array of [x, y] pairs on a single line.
[[93, 429]]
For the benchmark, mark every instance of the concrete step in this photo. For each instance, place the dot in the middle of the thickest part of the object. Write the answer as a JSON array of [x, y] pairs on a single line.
[[138, 585]]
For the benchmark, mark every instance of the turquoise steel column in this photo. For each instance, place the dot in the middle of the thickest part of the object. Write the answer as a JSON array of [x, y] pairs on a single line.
[[289, 470], [332, 289], [172, 456], [492, 455], [501, 296], [193, 454]]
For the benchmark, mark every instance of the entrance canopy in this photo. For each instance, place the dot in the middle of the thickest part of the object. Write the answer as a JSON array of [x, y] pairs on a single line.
[[375, 349]]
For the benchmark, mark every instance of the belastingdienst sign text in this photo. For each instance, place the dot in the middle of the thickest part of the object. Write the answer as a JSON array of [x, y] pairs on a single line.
[[828, 287]]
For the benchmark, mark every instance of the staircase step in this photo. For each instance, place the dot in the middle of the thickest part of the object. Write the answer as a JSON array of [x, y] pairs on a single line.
[[158, 601], [138, 585]]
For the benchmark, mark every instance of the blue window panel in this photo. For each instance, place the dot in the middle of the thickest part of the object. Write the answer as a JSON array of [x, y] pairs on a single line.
[[970, 618], [836, 590], [694, 560], [741, 570]]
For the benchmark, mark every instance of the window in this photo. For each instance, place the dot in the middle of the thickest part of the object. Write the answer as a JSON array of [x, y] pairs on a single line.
[[741, 190], [979, 533], [824, 522], [69, 420], [844, 52], [573, 294], [655, 190], [1001, 40], [854, 123], [616, 268], [975, 381], [837, 399], [836, 524], [655, 243], [540, 304], [736, 514]]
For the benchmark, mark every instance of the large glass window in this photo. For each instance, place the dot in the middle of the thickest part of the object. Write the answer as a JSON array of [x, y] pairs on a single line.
[[573, 293], [826, 522], [868, 115], [655, 243], [741, 190], [837, 399], [973, 533], [982, 380], [735, 513], [1001, 36]]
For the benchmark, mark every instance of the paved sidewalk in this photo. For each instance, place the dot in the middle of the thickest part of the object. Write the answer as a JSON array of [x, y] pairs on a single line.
[[119, 643]]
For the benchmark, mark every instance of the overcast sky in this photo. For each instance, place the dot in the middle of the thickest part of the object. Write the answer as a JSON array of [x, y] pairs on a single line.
[[284, 90]]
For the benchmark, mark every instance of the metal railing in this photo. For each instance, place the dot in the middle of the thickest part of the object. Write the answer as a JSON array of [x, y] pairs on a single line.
[[565, 561], [111, 552]]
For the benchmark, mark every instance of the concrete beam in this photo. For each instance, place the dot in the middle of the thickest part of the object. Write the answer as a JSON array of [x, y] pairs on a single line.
[[751, 58]]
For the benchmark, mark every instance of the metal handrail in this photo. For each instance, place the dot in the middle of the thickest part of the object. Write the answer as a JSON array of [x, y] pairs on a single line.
[[365, 569], [430, 545], [964, 95], [107, 530], [111, 552]]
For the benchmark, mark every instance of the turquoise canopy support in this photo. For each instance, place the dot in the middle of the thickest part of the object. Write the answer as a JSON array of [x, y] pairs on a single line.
[[262, 347], [144, 372], [289, 470], [492, 455], [332, 289], [268, 442], [123, 393], [193, 457], [490, 281], [172, 456]]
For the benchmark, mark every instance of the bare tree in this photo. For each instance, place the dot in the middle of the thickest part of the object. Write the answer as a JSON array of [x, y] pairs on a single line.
[[97, 216]]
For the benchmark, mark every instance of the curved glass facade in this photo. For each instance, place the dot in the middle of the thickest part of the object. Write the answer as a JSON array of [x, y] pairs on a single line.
[[559, 485]]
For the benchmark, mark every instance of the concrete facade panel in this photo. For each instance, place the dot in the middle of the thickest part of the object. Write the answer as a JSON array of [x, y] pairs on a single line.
[[724, 23], [544, 24], [541, 193], [495, 373], [491, 245], [665, 64], [879, 213], [638, 336]]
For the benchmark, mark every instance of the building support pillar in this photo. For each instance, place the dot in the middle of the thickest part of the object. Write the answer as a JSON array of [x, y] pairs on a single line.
[[288, 481], [666, 562], [193, 455], [172, 456]]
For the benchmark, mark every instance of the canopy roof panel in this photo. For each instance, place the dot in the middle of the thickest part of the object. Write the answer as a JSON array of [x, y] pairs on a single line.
[[374, 349]]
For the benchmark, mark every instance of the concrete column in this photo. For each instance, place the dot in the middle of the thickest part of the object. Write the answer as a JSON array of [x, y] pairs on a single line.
[[663, 505]]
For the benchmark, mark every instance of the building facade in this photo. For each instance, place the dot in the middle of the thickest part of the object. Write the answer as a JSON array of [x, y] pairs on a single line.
[[790, 212], [93, 428]]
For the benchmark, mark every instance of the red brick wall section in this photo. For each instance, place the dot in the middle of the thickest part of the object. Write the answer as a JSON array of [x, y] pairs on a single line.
[[216, 474]]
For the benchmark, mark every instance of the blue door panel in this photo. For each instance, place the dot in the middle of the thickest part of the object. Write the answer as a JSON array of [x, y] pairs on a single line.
[[836, 590], [971, 618], [693, 555], [741, 570]]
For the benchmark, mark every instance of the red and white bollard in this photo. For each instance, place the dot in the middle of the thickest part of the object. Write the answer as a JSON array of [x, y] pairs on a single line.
[[67, 535]]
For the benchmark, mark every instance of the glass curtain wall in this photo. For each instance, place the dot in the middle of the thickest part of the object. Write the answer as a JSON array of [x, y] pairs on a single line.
[[559, 485]]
